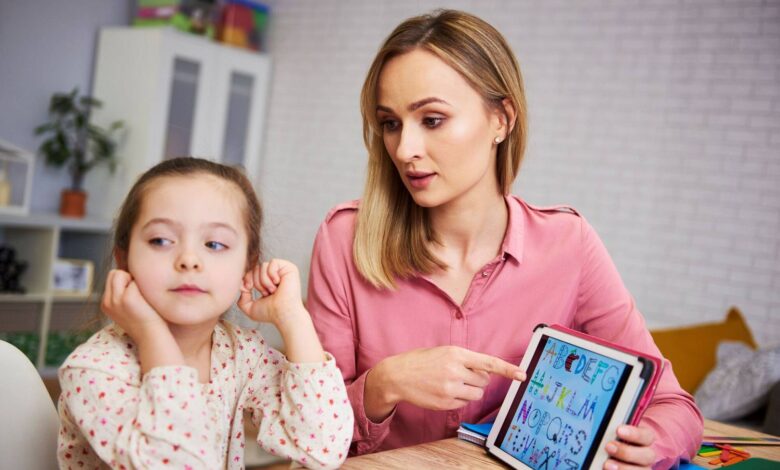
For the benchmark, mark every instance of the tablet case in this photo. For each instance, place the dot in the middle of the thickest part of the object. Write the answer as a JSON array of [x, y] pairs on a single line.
[[651, 373]]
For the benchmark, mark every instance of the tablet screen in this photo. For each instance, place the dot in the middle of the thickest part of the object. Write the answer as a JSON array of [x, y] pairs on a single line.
[[559, 414]]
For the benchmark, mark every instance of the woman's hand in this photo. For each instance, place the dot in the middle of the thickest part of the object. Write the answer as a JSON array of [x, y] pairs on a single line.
[[127, 307], [279, 283], [440, 378], [633, 450]]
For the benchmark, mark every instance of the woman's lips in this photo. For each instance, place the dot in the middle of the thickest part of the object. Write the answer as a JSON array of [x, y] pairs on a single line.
[[420, 180]]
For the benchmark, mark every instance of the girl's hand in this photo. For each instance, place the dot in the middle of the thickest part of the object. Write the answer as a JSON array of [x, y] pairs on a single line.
[[439, 378], [633, 451], [124, 304], [279, 283]]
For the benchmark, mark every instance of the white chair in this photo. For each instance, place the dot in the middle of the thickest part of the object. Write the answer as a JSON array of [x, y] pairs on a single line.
[[28, 419]]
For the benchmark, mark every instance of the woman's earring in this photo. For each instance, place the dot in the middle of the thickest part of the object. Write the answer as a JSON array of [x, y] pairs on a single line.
[[497, 140]]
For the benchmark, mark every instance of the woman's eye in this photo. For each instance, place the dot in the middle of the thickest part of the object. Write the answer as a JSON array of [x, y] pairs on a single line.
[[432, 122], [390, 125], [158, 241], [216, 246]]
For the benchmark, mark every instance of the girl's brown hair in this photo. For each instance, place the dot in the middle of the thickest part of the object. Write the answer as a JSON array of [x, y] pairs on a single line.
[[188, 166], [393, 234]]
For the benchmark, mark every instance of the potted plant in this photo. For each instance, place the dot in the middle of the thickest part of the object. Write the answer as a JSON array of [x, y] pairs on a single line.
[[70, 139]]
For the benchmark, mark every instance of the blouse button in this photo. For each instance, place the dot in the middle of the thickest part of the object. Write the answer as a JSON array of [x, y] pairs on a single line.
[[485, 273], [459, 315]]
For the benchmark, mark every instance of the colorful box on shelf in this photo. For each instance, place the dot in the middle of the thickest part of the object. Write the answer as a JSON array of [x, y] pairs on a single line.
[[243, 24], [191, 16], [155, 12]]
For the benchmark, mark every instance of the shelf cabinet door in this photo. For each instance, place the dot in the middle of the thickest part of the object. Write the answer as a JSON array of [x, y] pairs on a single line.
[[242, 83], [187, 84]]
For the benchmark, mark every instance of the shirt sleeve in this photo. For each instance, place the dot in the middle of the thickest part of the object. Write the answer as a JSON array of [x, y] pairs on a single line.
[[327, 301], [162, 421], [301, 410], [607, 310]]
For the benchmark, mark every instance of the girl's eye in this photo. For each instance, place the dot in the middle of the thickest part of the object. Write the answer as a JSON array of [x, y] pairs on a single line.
[[390, 125], [217, 246], [432, 122], [158, 241]]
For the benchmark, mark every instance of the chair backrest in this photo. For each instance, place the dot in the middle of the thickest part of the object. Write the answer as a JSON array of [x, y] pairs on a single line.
[[28, 419], [692, 349]]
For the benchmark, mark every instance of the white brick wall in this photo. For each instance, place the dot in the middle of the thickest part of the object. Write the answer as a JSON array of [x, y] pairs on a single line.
[[658, 120]]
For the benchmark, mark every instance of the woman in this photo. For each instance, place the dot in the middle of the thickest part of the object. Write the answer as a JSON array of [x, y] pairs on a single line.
[[427, 290]]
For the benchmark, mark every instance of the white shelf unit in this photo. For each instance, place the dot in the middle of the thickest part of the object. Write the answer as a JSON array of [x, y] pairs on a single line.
[[39, 239], [178, 95]]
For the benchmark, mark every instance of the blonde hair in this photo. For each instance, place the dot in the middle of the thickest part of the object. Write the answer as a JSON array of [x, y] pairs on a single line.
[[393, 233]]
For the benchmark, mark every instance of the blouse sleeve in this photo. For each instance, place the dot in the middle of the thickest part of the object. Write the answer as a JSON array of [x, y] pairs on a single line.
[[301, 410], [607, 310], [327, 301], [160, 422]]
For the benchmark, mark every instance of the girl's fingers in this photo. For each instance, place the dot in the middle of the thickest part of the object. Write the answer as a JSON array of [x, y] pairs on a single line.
[[119, 282], [246, 282], [273, 271], [244, 301], [257, 277], [265, 278], [132, 293], [108, 293]]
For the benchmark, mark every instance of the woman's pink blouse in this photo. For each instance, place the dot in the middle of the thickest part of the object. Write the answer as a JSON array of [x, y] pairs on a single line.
[[552, 268]]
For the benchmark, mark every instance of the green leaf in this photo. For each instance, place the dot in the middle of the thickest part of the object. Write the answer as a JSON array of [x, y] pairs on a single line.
[[45, 128], [72, 140], [90, 102], [61, 104]]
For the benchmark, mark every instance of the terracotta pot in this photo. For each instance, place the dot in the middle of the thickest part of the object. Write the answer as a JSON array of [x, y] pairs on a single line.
[[73, 203]]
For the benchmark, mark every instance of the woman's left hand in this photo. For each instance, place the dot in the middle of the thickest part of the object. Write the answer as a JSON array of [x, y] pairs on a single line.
[[633, 450]]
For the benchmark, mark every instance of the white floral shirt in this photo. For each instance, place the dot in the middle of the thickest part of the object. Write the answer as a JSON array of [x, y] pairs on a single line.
[[112, 417]]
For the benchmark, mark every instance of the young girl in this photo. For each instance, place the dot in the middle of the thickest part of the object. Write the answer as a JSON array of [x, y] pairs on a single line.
[[168, 383]]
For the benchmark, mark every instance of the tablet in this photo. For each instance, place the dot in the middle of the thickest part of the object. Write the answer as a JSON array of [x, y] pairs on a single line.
[[578, 391]]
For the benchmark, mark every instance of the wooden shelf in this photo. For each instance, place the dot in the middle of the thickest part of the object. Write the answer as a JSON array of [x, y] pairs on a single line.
[[63, 298], [22, 298], [49, 220]]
